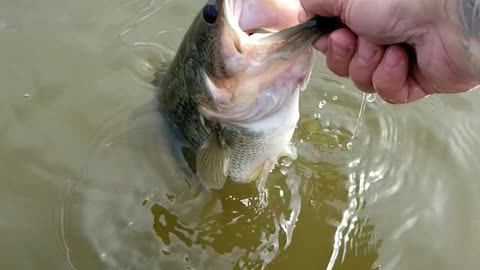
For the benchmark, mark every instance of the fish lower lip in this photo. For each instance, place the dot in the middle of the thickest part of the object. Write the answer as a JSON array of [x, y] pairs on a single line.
[[319, 25], [288, 32]]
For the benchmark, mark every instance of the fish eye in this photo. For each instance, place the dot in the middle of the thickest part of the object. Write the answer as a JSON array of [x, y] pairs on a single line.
[[210, 13]]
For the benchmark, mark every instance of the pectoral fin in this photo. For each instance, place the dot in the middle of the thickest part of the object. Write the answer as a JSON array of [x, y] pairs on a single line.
[[213, 162]]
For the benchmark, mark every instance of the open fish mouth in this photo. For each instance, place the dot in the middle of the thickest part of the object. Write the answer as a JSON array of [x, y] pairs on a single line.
[[254, 22]]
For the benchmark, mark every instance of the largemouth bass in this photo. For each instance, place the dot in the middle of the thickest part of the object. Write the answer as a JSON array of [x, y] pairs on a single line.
[[233, 86]]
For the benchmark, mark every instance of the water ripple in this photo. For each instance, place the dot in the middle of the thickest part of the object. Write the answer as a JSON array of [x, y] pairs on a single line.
[[360, 139], [133, 182], [414, 181]]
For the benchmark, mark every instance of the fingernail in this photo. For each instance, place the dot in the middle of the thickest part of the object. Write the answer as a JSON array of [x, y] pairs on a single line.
[[392, 60], [366, 53], [340, 50]]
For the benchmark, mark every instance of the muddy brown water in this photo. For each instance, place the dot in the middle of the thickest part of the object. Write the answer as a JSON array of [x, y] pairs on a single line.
[[88, 180]]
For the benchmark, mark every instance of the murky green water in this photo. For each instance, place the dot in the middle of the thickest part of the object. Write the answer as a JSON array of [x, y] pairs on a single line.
[[87, 180]]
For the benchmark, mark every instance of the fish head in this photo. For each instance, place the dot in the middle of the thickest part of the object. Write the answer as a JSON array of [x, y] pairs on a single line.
[[251, 57]]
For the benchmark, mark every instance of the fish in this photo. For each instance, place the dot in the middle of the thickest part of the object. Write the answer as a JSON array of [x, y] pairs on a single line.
[[233, 86]]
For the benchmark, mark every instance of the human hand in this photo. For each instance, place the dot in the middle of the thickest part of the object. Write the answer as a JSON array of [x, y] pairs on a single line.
[[403, 50]]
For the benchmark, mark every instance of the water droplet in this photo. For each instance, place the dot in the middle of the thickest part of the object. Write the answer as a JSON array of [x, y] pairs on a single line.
[[335, 98], [170, 197], [354, 163], [349, 145], [371, 98], [287, 162], [322, 104], [245, 202]]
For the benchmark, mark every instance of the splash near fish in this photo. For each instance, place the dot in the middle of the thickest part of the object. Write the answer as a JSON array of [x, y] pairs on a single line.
[[233, 86]]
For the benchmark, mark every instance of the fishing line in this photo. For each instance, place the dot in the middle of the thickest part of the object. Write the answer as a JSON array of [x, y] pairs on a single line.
[[360, 115]]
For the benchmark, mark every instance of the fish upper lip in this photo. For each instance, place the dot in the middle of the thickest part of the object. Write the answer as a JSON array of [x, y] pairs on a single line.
[[233, 24], [241, 38]]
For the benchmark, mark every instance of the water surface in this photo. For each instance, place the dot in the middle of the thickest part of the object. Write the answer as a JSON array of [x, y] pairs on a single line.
[[89, 180]]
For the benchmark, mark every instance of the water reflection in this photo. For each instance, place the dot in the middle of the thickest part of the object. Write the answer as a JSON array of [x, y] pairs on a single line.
[[232, 224]]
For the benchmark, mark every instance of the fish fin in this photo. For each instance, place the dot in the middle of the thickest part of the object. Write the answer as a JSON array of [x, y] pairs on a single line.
[[213, 160]]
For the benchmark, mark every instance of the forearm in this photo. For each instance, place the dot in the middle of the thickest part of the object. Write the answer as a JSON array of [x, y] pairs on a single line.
[[468, 12]]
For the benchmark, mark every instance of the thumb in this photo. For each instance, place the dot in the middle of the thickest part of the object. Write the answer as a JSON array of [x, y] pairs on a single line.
[[329, 8]]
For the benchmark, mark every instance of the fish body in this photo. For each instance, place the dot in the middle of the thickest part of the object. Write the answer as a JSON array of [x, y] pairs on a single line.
[[233, 86]]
